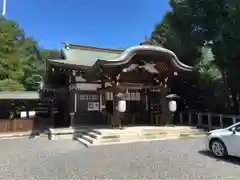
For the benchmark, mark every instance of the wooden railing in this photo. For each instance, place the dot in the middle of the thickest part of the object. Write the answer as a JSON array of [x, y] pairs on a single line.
[[206, 120]]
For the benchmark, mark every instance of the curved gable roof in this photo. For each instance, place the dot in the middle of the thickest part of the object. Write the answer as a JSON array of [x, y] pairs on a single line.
[[92, 57]]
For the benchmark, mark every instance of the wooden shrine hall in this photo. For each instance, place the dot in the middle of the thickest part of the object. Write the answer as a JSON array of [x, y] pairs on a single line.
[[87, 84]]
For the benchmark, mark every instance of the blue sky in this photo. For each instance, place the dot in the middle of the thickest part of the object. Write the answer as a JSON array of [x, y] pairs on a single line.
[[103, 23]]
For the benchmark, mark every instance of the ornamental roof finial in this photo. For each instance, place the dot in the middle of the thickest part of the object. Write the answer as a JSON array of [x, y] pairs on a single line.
[[66, 45]]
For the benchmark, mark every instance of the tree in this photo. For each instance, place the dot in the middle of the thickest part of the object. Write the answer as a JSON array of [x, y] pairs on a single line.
[[11, 69], [226, 51], [10, 85], [33, 65], [52, 54], [191, 26], [22, 62]]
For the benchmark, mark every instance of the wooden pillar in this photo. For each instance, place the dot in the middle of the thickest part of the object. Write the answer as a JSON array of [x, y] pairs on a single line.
[[114, 116], [116, 119], [146, 100], [72, 99], [102, 96], [103, 102], [52, 114], [164, 106], [73, 107]]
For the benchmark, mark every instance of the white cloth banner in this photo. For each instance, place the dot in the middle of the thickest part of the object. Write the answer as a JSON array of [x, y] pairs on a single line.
[[23, 114], [32, 114]]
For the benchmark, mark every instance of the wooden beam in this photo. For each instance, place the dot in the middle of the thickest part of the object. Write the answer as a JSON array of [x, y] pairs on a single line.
[[109, 89]]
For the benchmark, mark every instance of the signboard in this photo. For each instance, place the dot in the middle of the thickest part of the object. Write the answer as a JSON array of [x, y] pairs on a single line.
[[93, 106]]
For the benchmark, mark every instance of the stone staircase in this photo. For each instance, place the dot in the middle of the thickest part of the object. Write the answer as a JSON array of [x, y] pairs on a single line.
[[71, 133], [89, 138], [96, 137]]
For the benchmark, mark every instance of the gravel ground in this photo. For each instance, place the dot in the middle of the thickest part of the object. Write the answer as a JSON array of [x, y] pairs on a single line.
[[65, 159]]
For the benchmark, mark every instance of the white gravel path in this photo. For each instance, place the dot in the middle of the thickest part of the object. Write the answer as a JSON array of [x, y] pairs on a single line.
[[65, 159]]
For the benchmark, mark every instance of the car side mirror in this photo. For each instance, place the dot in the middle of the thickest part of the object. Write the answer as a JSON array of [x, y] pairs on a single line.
[[234, 130]]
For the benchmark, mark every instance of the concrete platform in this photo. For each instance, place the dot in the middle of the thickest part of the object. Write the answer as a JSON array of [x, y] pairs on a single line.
[[29, 134], [147, 128], [95, 136]]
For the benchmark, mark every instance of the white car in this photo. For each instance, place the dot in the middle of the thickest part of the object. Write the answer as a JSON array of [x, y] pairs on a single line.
[[224, 142]]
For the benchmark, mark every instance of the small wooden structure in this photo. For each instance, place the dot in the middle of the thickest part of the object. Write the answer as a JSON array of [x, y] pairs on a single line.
[[87, 83], [13, 103]]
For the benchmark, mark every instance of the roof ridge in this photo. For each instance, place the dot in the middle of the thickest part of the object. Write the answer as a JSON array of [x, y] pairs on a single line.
[[92, 48]]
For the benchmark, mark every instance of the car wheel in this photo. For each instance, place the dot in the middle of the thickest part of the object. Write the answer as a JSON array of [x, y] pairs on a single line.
[[218, 148]]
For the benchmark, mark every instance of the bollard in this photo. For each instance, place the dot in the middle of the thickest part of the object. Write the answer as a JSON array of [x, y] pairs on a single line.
[[221, 121], [234, 120], [199, 120], [209, 121], [181, 118], [190, 118]]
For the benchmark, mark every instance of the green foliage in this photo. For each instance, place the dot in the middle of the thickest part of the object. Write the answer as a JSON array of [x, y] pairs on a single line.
[[10, 85], [22, 62], [51, 54], [33, 65], [206, 34], [10, 54]]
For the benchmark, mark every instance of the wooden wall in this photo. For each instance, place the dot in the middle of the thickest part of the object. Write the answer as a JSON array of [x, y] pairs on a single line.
[[16, 125]]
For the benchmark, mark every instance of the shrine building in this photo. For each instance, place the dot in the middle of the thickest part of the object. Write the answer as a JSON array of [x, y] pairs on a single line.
[[86, 84]]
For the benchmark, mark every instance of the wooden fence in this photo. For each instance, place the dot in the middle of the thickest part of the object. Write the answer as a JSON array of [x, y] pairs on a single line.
[[206, 120], [18, 125], [14, 125]]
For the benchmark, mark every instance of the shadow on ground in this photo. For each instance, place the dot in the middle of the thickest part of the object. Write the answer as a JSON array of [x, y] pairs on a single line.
[[230, 159]]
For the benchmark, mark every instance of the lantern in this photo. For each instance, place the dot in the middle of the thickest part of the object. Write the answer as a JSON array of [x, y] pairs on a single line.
[[121, 106], [172, 105]]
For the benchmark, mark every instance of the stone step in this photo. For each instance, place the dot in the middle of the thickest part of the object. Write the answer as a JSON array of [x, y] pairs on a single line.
[[150, 133], [172, 130], [126, 138], [93, 135], [100, 141], [117, 131], [60, 136], [87, 138], [98, 132], [145, 136], [83, 141], [113, 142]]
